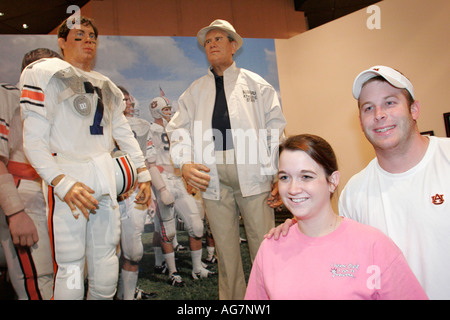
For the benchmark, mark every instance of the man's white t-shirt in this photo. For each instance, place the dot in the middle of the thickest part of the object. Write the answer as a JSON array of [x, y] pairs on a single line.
[[413, 209]]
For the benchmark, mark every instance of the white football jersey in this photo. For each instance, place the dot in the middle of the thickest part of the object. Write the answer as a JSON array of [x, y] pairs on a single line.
[[158, 146], [73, 113]]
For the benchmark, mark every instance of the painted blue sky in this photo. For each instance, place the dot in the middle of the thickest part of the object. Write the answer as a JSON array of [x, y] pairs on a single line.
[[144, 64]]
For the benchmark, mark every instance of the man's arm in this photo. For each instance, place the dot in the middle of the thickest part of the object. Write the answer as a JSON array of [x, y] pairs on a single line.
[[193, 174], [280, 230]]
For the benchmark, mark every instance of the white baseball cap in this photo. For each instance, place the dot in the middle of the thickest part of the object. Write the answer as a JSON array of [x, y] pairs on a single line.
[[222, 25], [394, 77]]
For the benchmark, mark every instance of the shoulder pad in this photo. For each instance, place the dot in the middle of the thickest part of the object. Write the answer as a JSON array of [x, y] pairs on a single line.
[[44, 69]]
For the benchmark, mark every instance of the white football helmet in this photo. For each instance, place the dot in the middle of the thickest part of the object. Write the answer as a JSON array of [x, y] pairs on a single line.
[[131, 106], [157, 105], [125, 172]]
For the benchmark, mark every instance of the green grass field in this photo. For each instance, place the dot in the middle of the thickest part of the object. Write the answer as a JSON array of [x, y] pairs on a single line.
[[203, 289]]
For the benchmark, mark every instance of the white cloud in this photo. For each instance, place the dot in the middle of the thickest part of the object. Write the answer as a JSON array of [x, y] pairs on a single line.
[[114, 54], [14, 47], [123, 58]]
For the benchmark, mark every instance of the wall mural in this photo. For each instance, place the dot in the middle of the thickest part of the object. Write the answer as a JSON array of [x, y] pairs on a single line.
[[144, 65]]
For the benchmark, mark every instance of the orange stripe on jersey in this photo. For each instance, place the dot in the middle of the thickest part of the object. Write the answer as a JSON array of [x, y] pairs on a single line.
[[4, 129], [34, 95], [29, 273]]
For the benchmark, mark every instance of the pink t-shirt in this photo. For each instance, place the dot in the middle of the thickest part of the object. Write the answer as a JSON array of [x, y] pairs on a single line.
[[355, 261]]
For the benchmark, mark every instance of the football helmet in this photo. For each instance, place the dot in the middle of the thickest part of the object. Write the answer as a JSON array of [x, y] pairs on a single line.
[[125, 172], [157, 105]]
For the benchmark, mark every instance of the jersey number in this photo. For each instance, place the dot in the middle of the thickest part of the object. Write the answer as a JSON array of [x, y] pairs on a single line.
[[96, 128], [165, 140]]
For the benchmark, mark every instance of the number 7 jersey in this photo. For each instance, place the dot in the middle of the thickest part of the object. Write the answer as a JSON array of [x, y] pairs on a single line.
[[73, 113]]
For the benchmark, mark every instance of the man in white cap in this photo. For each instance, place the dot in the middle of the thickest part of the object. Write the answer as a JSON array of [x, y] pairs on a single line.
[[214, 113], [403, 191]]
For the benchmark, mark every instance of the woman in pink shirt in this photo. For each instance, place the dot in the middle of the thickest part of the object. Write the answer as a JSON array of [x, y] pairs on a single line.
[[325, 256]]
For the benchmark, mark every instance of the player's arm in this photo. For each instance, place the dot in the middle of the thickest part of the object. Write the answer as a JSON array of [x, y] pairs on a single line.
[[144, 185], [124, 137], [126, 141], [76, 195], [22, 228], [158, 182]]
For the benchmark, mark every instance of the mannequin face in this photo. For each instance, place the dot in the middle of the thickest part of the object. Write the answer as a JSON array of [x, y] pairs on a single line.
[[219, 50], [129, 106], [80, 47], [167, 113]]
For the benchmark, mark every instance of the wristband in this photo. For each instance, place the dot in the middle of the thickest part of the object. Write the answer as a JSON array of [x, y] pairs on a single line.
[[144, 176], [10, 200], [64, 186]]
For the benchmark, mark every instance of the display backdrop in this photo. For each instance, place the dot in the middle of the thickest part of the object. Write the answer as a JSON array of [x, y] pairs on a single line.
[[144, 65]]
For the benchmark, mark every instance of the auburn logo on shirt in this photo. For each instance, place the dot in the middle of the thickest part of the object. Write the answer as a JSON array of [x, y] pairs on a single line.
[[437, 199]]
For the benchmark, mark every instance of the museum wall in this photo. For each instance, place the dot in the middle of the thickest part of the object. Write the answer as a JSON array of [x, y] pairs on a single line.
[[317, 68], [183, 18]]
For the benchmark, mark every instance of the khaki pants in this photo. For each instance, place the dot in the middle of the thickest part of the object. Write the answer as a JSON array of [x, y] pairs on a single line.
[[223, 217]]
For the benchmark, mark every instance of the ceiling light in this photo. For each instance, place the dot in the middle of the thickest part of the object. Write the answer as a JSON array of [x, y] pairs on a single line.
[[1, 14], [25, 26]]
